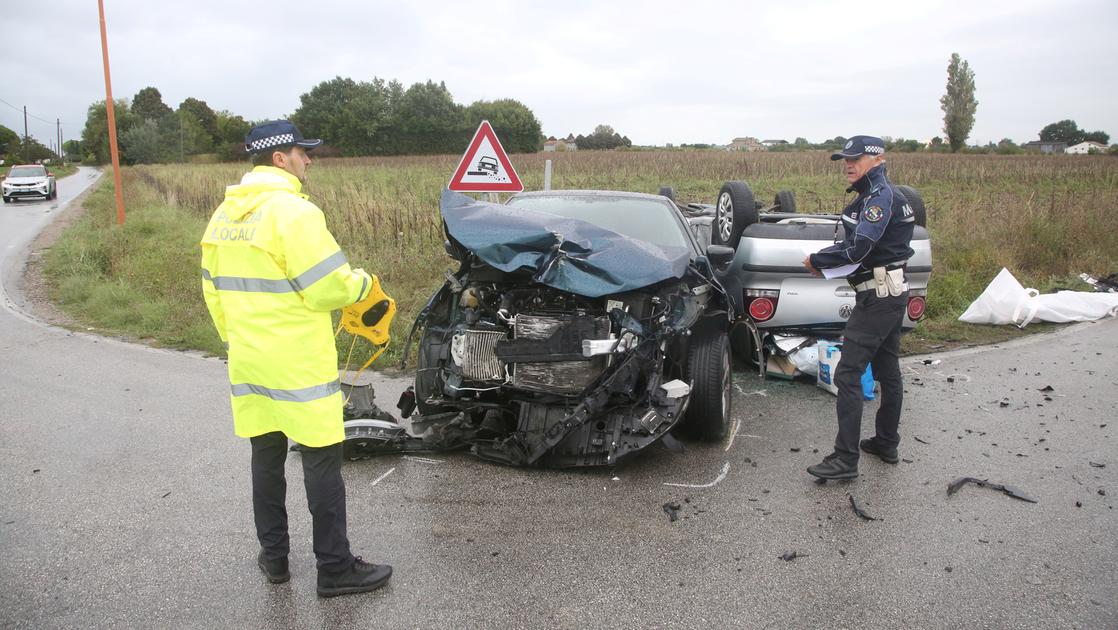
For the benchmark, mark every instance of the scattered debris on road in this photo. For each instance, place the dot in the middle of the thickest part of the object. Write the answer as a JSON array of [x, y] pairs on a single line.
[[672, 508], [1096, 465], [920, 441], [858, 509], [789, 556], [1012, 491]]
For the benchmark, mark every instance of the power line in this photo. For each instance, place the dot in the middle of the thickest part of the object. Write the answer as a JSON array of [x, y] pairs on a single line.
[[29, 115]]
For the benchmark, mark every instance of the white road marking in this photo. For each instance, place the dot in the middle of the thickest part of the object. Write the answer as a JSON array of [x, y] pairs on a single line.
[[759, 392], [423, 460], [719, 478], [733, 434], [381, 478]]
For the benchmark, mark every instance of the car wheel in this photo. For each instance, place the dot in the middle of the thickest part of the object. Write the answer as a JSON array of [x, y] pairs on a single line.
[[667, 191], [708, 367], [786, 201], [7, 199], [741, 343], [917, 203], [53, 194], [734, 211]]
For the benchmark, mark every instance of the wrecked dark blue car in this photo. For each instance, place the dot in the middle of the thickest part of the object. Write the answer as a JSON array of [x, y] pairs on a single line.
[[581, 327]]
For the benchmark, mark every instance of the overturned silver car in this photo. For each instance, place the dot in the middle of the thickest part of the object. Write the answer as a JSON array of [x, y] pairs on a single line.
[[581, 327]]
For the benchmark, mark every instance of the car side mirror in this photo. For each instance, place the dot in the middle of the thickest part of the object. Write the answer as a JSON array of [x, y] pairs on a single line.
[[719, 254]]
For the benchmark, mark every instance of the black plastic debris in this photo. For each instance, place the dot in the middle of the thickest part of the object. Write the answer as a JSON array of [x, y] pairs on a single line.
[[920, 441], [858, 509], [1012, 491], [1046, 389], [795, 449], [1096, 465], [789, 556], [1003, 402], [671, 508], [166, 495], [1102, 493]]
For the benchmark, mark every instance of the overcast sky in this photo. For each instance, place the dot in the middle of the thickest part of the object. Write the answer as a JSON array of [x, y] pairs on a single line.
[[658, 72]]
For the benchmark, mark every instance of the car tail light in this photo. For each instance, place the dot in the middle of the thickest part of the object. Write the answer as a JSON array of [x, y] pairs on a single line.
[[917, 304], [760, 303]]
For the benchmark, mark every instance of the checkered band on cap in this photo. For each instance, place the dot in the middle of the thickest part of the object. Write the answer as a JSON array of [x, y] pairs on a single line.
[[873, 149], [271, 141]]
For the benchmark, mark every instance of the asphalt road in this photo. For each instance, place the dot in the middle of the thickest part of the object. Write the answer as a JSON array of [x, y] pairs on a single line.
[[125, 503]]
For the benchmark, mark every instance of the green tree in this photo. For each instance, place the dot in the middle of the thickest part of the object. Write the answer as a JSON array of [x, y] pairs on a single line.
[[200, 113], [144, 143], [72, 149], [95, 135], [148, 104], [426, 120], [9, 142], [1097, 136], [347, 115], [1008, 147], [1062, 131], [230, 138], [517, 127], [958, 103]]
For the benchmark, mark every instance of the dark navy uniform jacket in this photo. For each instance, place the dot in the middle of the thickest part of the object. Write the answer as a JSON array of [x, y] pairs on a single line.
[[878, 228]]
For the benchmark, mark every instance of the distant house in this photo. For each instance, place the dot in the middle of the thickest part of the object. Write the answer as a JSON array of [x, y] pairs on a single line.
[[769, 143], [1084, 148], [1044, 146], [747, 143], [567, 144]]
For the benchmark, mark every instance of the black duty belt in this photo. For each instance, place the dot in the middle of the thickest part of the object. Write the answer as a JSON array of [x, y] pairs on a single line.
[[862, 276]]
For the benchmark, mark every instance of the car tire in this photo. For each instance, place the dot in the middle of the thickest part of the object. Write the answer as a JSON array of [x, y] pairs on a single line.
[[735, 209], [741, 343], [53, 194], [919, 212], [786, 201], [708, 368], [667, 191], [7, 199]]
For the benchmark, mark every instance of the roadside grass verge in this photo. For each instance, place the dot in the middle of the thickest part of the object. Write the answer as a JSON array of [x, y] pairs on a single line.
[[1045, 218]]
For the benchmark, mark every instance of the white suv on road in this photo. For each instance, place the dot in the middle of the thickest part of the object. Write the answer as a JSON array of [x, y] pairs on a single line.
[[29, 180]]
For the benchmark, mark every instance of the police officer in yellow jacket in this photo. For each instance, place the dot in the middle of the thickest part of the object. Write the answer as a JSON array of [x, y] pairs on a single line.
[[271, 274]]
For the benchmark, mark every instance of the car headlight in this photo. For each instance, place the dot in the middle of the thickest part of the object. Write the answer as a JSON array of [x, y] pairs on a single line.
[[7, 185]]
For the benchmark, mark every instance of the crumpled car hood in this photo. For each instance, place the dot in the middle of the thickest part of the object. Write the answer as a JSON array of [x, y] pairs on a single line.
[[566, 254]]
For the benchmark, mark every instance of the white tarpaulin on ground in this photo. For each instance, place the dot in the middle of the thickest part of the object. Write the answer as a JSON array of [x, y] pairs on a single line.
[[1005, 301]]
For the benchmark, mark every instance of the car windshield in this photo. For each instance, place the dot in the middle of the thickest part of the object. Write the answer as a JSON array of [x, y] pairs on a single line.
[[28, 171], [648, 220]]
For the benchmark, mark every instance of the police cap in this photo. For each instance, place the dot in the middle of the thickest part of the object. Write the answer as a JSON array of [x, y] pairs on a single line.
[[277, 134], [859, 145]]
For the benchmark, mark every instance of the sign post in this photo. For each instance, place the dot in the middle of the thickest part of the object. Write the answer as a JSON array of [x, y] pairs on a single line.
[[485, 167]]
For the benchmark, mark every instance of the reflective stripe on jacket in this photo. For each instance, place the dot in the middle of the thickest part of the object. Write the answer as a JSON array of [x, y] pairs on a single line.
[[271, 274]]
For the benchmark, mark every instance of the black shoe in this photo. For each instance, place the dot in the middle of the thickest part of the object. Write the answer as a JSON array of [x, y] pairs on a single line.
[[832, 467], [359, 578], [275, 570], [887, 454]]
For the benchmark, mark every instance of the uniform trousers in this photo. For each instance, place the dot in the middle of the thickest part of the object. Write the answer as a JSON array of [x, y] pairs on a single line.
[[322, 477], [872, 336]]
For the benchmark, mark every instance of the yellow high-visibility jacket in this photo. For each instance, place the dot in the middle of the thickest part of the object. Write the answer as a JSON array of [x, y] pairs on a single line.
[[271, 274]]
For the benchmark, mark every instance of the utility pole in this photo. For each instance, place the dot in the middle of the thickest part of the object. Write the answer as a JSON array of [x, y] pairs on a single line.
[[58, 133], [112, 117], [26, 136]]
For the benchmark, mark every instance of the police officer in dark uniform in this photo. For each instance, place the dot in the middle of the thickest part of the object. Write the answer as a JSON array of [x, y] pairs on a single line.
[[878, 227]]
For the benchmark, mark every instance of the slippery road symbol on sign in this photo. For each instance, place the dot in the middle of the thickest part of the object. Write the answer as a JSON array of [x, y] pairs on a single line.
[[485, 167]]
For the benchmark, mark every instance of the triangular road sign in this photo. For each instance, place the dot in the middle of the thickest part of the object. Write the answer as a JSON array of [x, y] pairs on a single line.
[[485, 166]]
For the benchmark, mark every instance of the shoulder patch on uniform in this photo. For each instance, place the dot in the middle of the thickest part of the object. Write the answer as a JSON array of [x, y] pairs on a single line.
[[873, 214]]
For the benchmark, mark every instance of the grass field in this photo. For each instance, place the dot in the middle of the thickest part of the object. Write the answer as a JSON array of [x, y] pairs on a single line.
[[1046, 218]]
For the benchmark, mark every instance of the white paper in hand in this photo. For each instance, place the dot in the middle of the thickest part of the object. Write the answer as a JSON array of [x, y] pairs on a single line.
[[839, 272]]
